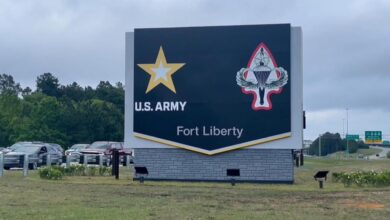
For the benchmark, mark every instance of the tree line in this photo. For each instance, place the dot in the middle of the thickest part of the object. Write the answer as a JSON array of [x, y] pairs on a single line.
[[63, 114], [329, 143]]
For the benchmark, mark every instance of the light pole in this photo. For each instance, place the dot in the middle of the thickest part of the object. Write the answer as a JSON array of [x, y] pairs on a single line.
[[346, 136], [343, 128], [319, 146]]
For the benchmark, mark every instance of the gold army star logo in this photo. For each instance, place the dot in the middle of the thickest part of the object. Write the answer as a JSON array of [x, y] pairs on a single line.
[[161, 72]]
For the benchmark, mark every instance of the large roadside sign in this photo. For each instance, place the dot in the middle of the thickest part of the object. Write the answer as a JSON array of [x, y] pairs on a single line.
[[213, 89], [373, 137]]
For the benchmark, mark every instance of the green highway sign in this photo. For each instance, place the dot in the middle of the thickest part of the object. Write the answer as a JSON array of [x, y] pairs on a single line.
[[352, 137], [373, 137]]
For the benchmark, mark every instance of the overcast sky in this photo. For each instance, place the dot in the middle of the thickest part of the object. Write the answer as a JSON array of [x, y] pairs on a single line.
[[346, 47]]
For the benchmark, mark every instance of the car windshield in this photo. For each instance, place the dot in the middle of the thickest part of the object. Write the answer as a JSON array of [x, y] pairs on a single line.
[[17, 145], [99, 145], [26, 149], [78, 146]]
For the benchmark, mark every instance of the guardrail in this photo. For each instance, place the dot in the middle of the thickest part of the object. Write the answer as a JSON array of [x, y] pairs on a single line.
[[1, 164], [23, 160], [84, 159], [101, 160]]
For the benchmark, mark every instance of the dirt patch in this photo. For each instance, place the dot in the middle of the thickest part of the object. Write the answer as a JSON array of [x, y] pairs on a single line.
[[362, 205], [366, 205], [370, 206]]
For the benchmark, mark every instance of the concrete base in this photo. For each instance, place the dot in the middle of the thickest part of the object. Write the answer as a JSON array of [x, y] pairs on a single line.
[[255, 165]]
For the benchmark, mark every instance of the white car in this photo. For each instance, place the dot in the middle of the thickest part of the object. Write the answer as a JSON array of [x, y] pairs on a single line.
[[74, 151]]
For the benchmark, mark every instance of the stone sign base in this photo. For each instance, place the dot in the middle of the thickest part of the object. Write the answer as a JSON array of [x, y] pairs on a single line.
[[252, 165]]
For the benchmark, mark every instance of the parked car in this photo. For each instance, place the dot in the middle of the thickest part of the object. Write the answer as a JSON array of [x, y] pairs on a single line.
[[74, 151], [19, 144], [37, 152], [57, 147], [55, 154], [104, 148]]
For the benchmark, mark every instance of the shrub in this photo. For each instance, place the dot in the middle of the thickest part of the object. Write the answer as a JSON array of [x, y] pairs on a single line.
[[388, 154], [79, 170], [51, 173], [58, 172], [363, 178], [70, 171], [92, 171], [104, 171]]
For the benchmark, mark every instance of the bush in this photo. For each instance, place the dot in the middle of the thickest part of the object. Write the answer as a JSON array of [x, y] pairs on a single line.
[[104, 171], [388, 154], [79, 170], [92, 171], [58, 172], [363, 178], [51, 173]]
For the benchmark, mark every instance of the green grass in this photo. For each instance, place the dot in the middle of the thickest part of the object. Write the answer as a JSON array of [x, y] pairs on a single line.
[[368, 152], [107, 198], [363, 152]]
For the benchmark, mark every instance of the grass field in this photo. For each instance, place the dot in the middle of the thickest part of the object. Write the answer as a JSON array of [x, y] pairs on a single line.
[[362, 152], [107, 198]]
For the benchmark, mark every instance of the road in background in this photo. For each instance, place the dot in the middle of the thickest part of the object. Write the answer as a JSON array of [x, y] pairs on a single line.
[[381, 155]]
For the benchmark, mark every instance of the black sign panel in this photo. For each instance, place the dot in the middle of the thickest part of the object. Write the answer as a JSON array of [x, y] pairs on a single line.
[[212, 89]]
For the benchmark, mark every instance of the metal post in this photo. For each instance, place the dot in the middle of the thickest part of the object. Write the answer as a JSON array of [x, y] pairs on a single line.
[[115, 163], [48, 160], [347, 135], [301, 157], [81, 159], [67, 161], [25, 165], [141, 179], [85, 159], [128, 161], [321, 182], [108, 160], [122, 160], [1, 164], [100, 160]]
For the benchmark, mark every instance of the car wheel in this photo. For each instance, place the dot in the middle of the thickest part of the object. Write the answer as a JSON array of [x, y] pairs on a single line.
[[33, 166]]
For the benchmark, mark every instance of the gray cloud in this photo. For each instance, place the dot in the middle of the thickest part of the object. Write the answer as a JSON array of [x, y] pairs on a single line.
[[346, 46]]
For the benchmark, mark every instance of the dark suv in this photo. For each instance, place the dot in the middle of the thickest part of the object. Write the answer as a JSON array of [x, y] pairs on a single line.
[[37, 154]]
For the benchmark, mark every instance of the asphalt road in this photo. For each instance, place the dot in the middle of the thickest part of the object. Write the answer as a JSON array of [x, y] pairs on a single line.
[[382, 154]]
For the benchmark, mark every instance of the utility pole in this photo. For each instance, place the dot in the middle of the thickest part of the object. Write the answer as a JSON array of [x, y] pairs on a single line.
[[343, 128], [347, 135], [319, 146]]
